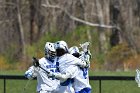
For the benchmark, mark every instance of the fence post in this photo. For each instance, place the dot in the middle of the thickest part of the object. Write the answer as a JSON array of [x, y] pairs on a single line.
[[100, 86], [4, 85]]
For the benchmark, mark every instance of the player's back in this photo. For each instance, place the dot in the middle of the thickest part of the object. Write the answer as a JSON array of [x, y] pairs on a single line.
[[67, 60], [67, 65]]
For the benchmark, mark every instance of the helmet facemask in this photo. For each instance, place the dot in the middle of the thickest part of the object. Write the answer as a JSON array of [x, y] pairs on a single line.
[[50, 51], [50, 54]]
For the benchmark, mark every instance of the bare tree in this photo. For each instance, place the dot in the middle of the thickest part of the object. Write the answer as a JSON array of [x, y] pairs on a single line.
[[102, 36], [21, 30]]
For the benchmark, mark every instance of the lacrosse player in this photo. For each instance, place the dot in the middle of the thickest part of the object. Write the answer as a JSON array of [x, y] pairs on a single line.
[[45, 84], [68, 67], [81, 81], [137, 77]]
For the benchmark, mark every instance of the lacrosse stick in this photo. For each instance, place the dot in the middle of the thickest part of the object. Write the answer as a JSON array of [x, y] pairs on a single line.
[[36, 64], [85, 46]]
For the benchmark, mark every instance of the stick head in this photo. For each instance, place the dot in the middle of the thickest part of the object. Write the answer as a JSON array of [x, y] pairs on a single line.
[[85, 46], [35, 62]]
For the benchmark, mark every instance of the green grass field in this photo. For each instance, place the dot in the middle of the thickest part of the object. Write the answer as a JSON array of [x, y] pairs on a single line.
[[108, 86]]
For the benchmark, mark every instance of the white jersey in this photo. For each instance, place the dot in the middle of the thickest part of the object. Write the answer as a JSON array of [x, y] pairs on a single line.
[[44, 83], [81, 81], [68, 64], [67, 60]]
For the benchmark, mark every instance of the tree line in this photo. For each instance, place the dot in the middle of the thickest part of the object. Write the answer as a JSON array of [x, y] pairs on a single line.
[[24, 22]]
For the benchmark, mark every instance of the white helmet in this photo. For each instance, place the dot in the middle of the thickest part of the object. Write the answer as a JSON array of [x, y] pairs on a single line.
[[73, 49], [50, 51], [61, 48], [61, 45]]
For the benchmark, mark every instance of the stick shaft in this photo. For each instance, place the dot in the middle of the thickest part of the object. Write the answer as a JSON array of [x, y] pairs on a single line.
[[44, 69]]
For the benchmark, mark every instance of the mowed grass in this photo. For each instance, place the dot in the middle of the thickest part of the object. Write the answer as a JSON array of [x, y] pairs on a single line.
[[115, 86], [108, 86], [18, 86]]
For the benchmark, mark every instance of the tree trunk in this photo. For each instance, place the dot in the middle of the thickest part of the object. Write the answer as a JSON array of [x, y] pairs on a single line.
[[32, 20], [114, 14], [102, 36], [21, 28]]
